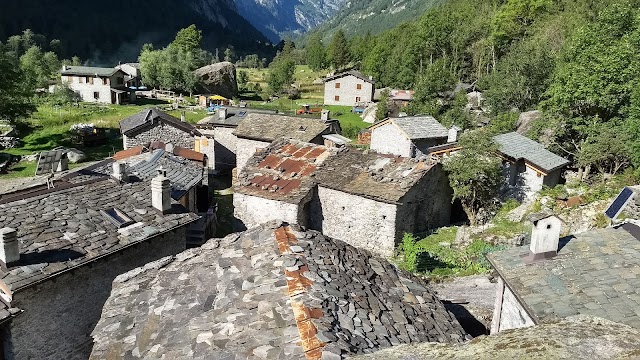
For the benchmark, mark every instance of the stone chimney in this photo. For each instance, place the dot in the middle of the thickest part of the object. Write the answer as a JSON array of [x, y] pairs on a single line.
[[545, 236], [161, 192], [120, 171], [325, 115], [222, 113], [453, 134], [65, 67], [9, 245]]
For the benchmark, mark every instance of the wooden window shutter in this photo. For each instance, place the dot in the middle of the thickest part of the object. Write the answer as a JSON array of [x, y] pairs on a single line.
[[197, 145]]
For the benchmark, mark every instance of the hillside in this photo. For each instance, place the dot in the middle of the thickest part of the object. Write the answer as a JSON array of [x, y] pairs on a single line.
[[106, 32], [277, 17], [359, 17]]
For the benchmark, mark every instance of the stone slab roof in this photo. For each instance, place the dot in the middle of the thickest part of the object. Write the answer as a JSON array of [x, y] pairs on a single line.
[[372, 175], [355, 73], [269, 127], [233, 118], [149, 117], [89, 71], [283, 171], [183, 173], [272, 292], [64, 228], [518, 147], [596, 273], [417, 127]]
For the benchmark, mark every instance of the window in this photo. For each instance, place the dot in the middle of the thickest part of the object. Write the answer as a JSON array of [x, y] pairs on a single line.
[[89, 80], [119, 81], [117, 217], [105, 81], [358, 99], [96, 95], [359, 86], [80, 79], [336, 98], [337, 85]]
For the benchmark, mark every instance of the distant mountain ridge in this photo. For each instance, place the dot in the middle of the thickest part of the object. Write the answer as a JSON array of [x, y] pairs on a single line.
[[275, 18], [109, 31]]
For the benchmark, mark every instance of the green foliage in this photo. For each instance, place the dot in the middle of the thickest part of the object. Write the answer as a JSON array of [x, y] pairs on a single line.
[[436, 256], [436, 79], [15, 98], [229, 54], [39, 68], [281, 72], [339, 52], [504, 122], [315, 53], [557, 192], [243, 79], [475, 173], [188, 39], [383, 105], [63, 95]]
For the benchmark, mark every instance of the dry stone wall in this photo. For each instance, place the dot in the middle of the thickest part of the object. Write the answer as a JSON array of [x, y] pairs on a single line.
[[246, 149], [161, 132], [253, 211]]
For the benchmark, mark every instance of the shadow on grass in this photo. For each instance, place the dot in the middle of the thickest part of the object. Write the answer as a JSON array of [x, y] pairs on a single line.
[[427, 263]]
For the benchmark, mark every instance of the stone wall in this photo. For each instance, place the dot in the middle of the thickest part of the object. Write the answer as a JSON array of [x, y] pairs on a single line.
[[225, 148], [252, 211], [358, 221], [88, 91], [161, 132], [508, 313], [348, 91], [60, 314], [246, 149], [389, 139], [206, 145]]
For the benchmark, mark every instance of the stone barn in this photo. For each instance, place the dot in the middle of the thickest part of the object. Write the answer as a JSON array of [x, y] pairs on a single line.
[[348, 89], [370, 200], [62, 247], [407, 136], [527, 165], [257, 131], [278, 184], [273, 292], [151, 125]]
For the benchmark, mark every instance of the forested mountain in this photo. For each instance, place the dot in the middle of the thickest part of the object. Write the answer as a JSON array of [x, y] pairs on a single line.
[[361, 16], [109, 31], [277, 17]]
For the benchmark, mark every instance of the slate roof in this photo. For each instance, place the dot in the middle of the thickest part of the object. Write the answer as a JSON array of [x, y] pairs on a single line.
[[355, 73], [272, 292], [417, 127], [233, 119], [365, 173], [182, 173], [595, 273], [518, 147], [283, 171], [269, 127], [148, 117], [63, 228], [89, 71]]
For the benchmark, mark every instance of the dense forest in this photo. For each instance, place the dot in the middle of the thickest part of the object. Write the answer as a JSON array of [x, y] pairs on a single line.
[[576, 60]]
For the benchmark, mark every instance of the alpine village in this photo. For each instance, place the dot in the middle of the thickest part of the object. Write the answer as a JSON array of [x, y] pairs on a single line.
[[320, 180]]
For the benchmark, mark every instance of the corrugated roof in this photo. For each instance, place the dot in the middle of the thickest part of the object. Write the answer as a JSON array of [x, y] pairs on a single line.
[[147, 117], [517, 146], [89, 71], [269, 127]]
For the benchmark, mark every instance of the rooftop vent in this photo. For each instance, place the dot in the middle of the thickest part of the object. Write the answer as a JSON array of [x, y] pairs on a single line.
[[302, 128], [222, 113], [9, 245], [120, 171], [545, 236], [161, 192], [325, 115]]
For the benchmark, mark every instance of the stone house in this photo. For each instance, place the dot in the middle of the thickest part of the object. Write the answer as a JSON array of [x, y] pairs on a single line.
[[410, 136], [152, 125], [62, 247], [279, 292], [257, 131], [593, 273], [400, 98], [527, 165], [98, 85], [218, 130], [368, 200], [348, 89], [133, 77]]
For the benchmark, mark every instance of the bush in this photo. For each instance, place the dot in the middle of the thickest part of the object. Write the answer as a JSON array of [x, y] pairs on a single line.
[[63, 95], [351, 131]]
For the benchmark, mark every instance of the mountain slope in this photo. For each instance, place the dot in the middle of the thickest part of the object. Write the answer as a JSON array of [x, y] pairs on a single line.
[[277, 17], [361, 16], [109, 31]]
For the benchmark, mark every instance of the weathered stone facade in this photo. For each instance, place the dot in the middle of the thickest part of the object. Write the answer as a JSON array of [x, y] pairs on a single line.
[[159, 132], [524, 181], [225, 148], [245, 211], [348, 90], [245, 149], [60, 314], [389, 139]]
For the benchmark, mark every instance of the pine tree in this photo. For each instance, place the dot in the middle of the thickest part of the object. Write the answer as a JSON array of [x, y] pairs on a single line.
[[315, 53], [339, 51]]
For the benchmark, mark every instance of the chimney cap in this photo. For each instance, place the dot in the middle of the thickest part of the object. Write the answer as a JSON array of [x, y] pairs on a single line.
[[7, 230], [162, 172], [534, 218]]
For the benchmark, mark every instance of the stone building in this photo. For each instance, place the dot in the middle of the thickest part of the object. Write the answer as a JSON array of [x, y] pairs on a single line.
[[593, 273], [257, 131], [527, 165], [151, 125], [62, 247], [133, 76], [272, 292], [218, 129], [348, 89], [407, 136], [98, 85], [366, 199]]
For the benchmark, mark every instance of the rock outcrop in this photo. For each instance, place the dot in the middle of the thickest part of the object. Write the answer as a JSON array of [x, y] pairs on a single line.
[[218, 79]]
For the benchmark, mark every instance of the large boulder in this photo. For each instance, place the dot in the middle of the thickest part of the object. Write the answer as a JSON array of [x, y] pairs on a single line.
[[526, 120], [218, 79]]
